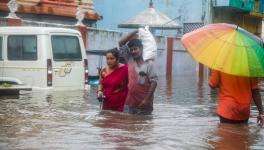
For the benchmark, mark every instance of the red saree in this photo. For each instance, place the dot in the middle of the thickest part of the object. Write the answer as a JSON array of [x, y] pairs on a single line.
[[115, 89]]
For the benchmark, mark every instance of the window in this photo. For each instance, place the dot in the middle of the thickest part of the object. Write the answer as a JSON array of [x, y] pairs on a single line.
[[66, 48], [22, 47], [1, 47]]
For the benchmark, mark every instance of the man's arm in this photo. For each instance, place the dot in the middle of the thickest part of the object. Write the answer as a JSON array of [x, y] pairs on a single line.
[[127, 37], [153, 77], [214, 79], [257, 100], [123, 48], [148, 99]]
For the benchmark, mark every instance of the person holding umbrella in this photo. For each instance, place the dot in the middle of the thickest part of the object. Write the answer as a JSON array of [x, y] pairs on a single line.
[[236, 59], [235, 94]]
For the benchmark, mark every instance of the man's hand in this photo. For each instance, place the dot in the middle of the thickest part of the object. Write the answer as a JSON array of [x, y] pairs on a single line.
[[143, 104], [260, 120], [128, 37]]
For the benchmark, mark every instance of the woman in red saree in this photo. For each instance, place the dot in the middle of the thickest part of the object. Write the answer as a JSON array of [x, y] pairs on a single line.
[[113, 82]]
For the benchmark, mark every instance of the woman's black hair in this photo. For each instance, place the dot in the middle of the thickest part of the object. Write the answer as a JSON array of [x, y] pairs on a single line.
[[114, 52]]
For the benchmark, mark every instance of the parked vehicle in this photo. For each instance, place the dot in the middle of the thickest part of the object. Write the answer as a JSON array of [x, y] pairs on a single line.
[[43, 58]]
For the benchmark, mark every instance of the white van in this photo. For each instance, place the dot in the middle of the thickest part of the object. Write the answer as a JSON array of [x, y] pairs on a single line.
[[43, 58]]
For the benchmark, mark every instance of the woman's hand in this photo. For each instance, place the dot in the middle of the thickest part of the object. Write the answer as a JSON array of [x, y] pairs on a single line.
[[260, 119], [100, 96]]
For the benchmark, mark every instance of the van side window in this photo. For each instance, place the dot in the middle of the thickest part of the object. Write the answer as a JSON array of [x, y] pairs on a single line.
[[1, 47], [66, 48], [22, 47]]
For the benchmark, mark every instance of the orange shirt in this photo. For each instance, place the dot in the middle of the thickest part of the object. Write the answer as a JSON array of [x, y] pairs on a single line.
[[234, 95]]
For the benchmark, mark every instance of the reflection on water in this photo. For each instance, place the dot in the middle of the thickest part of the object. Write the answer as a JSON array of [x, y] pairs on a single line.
[[121, 130], [183, 118], [235, 137]]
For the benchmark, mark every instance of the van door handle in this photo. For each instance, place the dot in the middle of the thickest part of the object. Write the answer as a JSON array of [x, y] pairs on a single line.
[[56, 71], [60, 72]]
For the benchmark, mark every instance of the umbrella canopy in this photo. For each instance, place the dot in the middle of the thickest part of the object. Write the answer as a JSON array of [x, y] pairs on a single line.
[[227, 48]]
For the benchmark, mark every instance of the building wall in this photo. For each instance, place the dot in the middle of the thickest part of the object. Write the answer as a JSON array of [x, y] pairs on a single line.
[[102, 40], [250, 23], [115, 12], [99, 39]]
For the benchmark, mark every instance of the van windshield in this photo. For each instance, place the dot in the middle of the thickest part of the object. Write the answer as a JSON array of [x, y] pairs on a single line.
[[66, 48]]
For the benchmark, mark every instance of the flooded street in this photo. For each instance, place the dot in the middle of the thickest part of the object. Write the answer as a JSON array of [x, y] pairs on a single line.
[[183, 118]]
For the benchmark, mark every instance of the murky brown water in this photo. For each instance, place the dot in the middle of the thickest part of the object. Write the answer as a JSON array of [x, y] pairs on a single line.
[[183, 118]]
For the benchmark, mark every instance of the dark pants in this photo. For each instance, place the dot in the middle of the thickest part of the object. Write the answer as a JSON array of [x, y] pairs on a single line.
[[225, 120]]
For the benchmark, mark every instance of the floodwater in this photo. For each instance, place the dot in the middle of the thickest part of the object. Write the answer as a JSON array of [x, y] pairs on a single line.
[[183, 118]]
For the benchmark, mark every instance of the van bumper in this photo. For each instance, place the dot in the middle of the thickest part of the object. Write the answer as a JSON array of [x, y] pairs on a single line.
[[14, 89]]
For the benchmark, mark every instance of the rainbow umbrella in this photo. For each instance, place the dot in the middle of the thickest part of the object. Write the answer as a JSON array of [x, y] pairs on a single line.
[[227, 48]]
